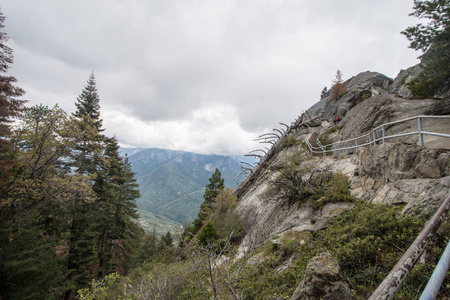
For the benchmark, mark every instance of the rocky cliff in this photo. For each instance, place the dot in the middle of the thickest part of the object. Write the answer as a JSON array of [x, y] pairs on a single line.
[[396, 171]]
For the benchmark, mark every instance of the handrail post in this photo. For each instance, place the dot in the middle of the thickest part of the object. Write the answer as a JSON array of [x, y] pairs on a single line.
[[374, 137], [387, 289], [419, 123], [383, 132], [434, 284]]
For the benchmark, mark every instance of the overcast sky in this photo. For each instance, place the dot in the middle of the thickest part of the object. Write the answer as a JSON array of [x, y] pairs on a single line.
[[197, 75]]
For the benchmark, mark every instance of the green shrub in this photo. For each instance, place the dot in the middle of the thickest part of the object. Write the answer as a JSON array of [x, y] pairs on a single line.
[[102, 289], [289, 141], [296, 184], [207, 235], [367, 241]]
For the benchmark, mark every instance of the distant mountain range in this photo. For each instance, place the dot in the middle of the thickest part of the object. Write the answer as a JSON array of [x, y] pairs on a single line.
[[172, 184]]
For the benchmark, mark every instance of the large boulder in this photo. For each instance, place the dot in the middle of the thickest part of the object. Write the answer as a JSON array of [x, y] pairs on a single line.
[[381, 109], [359, 88], [399, 87], [323, 280]]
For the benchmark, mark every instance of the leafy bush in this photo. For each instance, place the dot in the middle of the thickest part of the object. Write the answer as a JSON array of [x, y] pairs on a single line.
[[297, 184], [289, 141], [207, 235], [367, 241], [101, 288]]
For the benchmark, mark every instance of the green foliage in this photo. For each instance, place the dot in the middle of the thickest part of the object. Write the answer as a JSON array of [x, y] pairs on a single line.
[[367, 241], [10, 108], [148, 220], [212, 189], [102, 289], [297, 184], [434, 77], [227, 222], [88, 103], [69, 213], [289, 141], [323, 93], [325, 138], [29, 267], [208, 234], [167, 239], [434, 40]]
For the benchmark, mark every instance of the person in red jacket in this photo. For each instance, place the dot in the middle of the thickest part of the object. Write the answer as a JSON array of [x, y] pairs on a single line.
[[337, 120]]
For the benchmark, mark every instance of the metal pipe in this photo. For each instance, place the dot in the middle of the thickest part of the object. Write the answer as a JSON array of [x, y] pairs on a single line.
[[434, 284], [419, 123], [390, 285]]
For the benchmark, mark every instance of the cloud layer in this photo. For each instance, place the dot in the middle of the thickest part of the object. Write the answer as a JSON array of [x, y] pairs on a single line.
[[202, 76]]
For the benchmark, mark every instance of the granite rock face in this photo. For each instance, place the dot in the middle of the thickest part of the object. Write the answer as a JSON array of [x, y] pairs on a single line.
[[322, 280], [394, 172], [359, 88], [399, 87]]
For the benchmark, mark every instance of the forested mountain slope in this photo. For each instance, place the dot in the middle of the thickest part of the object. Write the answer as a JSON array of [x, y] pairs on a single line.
[[303, 226], [172, 184]]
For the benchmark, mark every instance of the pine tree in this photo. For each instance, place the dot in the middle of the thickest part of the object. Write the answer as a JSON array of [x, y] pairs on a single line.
[[434, 40], [10, 108], [34, 223], [338, 88], [212, 189], [88, 139], [323, 93], [88, 103], [167, 239], [88, 145], [116, 190]]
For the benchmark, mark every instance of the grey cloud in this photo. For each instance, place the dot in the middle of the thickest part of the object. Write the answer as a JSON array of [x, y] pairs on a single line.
[[159, 61]]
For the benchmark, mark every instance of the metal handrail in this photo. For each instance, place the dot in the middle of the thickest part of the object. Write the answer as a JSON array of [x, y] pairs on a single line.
[[387, 289], [434, 284], [371, 138]]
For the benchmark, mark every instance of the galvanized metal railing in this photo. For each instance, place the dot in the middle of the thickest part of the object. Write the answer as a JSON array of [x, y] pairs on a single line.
[[387, 289], [397, 276], [434, 284], [378, 134]]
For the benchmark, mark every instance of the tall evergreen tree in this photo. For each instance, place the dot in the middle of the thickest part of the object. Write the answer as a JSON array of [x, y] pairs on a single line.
[[88, 146], [88, 103], [10, 108], [212, 189], [116, 190], [434, 40], [88, 138], [33, 225]]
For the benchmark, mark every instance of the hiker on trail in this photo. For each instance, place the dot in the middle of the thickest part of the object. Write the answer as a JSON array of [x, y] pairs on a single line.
[[337, 120]]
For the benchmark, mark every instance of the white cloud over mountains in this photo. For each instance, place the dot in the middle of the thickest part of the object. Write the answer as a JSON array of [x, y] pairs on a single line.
[[201, 76]]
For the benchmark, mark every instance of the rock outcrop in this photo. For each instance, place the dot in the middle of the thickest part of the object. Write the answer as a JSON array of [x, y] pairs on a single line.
[[322, 280], [395, 172], [359, 88]]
